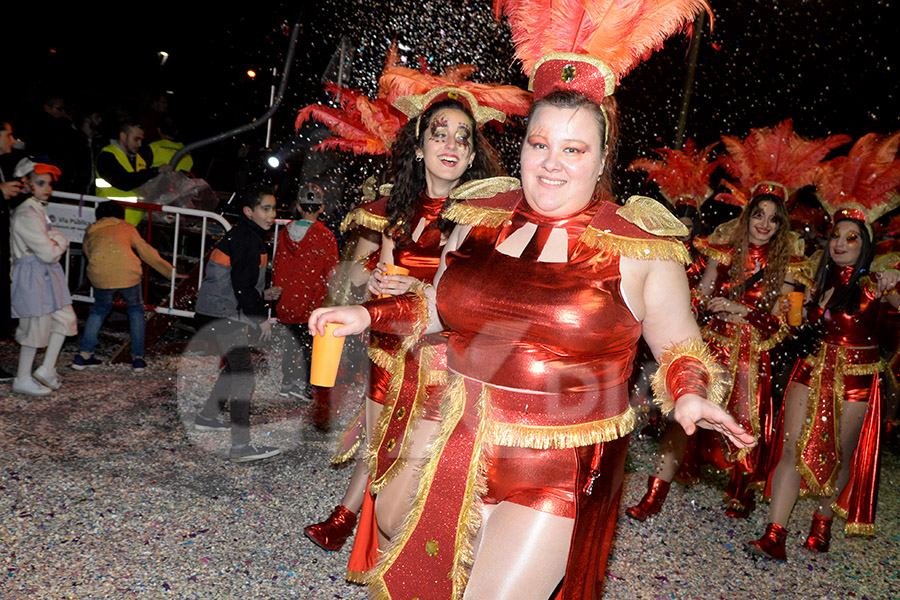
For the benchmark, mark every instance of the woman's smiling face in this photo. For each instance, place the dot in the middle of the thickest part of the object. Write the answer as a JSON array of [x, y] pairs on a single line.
[[561, 159]]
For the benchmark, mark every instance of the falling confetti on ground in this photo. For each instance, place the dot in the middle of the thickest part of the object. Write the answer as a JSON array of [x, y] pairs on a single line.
[[105, 493]]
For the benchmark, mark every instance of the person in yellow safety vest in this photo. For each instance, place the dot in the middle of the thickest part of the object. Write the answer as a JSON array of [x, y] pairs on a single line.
[[122, 168], [165, 148]]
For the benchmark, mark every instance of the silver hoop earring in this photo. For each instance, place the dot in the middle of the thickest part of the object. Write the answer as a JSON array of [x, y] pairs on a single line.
[[418, 159]]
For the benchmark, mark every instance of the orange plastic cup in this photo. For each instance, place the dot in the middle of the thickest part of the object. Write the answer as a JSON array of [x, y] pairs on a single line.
[[795, 308], [326, 357], [393, 270]]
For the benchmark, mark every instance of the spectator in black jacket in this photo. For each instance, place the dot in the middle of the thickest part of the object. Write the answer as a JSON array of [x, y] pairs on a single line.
[[233, 300]]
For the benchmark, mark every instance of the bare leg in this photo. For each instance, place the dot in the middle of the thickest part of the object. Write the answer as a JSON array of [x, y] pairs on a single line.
[[852, 416], [786, 478], [395, 499], [671, 451], [521, 555]]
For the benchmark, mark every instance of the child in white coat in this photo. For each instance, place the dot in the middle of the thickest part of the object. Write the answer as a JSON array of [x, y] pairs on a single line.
[[40, 294]]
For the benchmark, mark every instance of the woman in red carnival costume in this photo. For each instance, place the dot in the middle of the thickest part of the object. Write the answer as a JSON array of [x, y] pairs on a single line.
[[829, 439], [544, 289], [435, 151], [740, 289]]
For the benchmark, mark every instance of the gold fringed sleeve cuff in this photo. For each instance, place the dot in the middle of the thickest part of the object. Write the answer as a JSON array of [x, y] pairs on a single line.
[[688, 368], [405, 315]]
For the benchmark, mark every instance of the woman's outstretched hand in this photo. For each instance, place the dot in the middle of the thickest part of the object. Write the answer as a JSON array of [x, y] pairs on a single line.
[[692, 411], [354, 319]]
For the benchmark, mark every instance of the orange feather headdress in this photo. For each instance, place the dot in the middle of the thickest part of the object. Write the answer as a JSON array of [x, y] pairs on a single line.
[[682, 175], [367, 126], [863, 184], [588, 46], [773, 160]]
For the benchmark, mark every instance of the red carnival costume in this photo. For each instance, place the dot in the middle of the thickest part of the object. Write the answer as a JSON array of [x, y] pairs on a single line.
[[396, 373], [537, 405], [842, 369], [743, 349]]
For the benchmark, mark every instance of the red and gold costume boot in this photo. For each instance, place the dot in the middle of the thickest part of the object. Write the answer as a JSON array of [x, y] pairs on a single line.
[[819, 534], [657, 489], [334, 531], [771, 544]]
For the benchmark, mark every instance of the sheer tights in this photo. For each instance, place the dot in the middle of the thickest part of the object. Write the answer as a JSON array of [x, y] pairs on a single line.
[[786, 479], [520, 554]]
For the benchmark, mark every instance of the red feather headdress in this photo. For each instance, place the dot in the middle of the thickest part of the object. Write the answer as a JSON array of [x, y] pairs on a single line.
[[773, 160], [863, 184], [682, 175], [366, 126], [587, 46]]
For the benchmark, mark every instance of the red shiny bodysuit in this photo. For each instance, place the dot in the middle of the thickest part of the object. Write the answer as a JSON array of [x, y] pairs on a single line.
[[743, 349], [844, 368], [419, 374], [540, 354]]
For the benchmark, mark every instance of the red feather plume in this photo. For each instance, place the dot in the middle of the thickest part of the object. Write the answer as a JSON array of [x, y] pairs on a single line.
[[621, 33], [867, 178], [682, 175], [775, 154]]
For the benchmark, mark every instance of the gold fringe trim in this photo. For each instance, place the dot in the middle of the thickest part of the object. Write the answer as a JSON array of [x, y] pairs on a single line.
[[478, 189], [695, 348], [359, 577], [476, 216], [387, 411], [652, 217], [839, 511], [342, 457], [776, 338], [382, 358], [422, 317], [568, 436], [452, 407], [660, 249], [884, 262], [800, 272], [866, 369], [860, 529], [470, 514], [360, 216], [720, 256]]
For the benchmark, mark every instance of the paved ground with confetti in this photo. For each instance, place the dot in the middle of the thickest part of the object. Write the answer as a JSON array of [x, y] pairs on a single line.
[[106, 492]]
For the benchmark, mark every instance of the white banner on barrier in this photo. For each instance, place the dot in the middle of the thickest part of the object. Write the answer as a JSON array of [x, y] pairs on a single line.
[[70, 220]]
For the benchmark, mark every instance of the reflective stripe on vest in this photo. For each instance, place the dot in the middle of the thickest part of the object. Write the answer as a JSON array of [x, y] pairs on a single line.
[[104, 188]]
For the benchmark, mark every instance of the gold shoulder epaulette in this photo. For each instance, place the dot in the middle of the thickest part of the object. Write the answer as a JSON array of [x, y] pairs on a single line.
[[707, 249], [652, 217], [485, 188], [360, 216]]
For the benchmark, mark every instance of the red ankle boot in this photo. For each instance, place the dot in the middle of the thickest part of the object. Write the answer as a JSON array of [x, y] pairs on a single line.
[[657, 489], [334, 531], [819, 534], [771, 544]]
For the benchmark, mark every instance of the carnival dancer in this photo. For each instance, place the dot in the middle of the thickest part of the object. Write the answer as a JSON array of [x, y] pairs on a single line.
[[751, 263], [683, 179], [544, 289], [439, 148], [830, 430]]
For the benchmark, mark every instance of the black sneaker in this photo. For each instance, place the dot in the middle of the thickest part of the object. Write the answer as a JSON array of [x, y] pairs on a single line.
[[202, 423], [249, 452], [6, 375], [80, 363]]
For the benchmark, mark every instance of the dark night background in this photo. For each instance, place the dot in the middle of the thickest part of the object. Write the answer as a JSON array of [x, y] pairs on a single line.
[[830, 65]]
